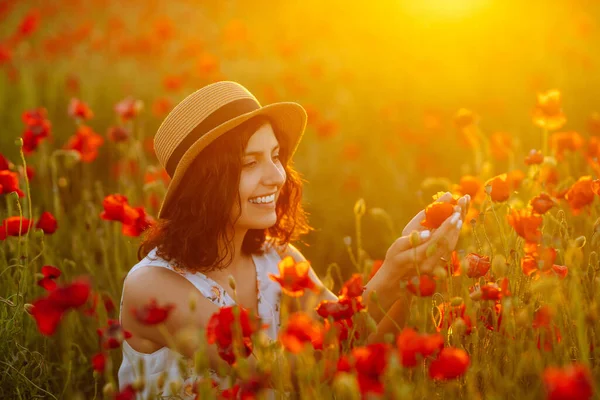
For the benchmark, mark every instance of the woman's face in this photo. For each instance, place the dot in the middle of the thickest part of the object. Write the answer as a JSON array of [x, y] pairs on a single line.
[[261, 179]]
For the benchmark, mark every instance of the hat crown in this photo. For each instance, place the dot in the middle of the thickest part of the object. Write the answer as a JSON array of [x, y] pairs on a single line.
[[191, 111]]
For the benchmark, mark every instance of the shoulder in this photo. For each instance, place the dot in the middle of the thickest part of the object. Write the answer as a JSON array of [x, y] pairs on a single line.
[[290, 250]]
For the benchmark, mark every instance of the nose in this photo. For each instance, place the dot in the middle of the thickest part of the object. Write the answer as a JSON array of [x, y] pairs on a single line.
[[274, 175]]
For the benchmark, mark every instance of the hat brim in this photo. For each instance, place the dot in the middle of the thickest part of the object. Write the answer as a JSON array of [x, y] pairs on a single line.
[[289, 118]]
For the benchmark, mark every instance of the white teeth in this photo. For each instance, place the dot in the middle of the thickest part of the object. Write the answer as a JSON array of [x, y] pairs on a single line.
[[261, 200]]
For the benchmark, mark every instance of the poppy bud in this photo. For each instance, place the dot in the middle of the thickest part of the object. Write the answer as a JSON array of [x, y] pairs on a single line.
[[345, 386], [175, 385], [360, 207], [108, 390], [28, 308], [414, 239], [440, 273], [459, 327], [19, 142], [139, 384], [456, 301], [231, 281], [348, 241]]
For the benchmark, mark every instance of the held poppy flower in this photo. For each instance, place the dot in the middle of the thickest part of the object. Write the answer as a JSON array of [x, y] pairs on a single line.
[[534, 157], [422, 286], [86, 142], [300, 330], [48, 311], [498, 188], [139, 225], [450, 364], [219, 331], [436, 213], [50, 274], [581, 194], [152, 313], [14, 226], [573, 381], [477, 265], [79, 109], [9, 182], [548, 110], [526, 224], [410, 343], [542, 203], [116, 208], [47, 223], [293, 277]]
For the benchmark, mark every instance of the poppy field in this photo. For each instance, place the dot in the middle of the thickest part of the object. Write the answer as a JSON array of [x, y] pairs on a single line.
[[406, 102]]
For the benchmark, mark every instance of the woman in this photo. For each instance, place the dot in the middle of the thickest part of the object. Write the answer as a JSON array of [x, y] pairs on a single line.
[[230, 212]]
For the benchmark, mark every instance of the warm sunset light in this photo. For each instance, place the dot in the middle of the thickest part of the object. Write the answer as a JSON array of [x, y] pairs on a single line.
[[229, 199]]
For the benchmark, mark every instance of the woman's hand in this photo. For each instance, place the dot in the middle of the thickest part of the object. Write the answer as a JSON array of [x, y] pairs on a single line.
[[419, 250]]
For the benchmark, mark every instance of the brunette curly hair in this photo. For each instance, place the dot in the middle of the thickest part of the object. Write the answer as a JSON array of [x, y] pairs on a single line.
[[197, 219]]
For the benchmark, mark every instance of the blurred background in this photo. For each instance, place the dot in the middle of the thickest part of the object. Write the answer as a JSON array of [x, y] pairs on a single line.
[[382, 82]]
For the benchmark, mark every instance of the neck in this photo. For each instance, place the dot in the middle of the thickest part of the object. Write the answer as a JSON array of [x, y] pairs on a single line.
[[238, 258]]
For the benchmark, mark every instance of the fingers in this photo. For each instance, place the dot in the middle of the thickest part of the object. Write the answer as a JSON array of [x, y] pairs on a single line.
[[403, 243]]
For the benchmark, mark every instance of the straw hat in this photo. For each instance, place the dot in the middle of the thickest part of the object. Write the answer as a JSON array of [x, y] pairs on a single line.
[[208, 113]]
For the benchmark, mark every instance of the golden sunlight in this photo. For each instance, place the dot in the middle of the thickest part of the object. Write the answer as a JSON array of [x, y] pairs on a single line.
[[443, 8]]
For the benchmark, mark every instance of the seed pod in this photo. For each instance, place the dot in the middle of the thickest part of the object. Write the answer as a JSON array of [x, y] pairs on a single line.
[[456, 301], [28, 308], [414, 239]]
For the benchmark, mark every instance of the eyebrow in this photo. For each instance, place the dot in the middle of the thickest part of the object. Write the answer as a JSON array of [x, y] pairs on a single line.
[[252, 153]]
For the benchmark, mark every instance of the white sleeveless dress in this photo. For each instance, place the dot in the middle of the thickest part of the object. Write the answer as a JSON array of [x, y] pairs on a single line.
[[167, 360]]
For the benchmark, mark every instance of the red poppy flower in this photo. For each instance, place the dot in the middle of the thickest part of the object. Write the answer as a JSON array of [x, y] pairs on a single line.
[[560, 270], [534, 157], [548, 110], [581, 194], [573, 381], [450, 364], [99, 362], [293, 277], [50, 274], [562, 142], [526, 224], [542, 203], [489, 314], [344, 308], [493, 291], [47, 223], [86, 142], [478, 265], [128, 108], [470, 185], [14, 226], [422, 286], [152, 313], [342, 329], [78, 109], [499, 188], [118, 134], [370, 363], [161, 107], [537, 258], [9, 182], [4, 163], [128, 393], [353, 287], [453, 266], [139, 225], [436, 213], [300, 329], [410, 343], [219, 331], [116, 208], [113, 335], [449, 314], [48, 311], [29, 24]]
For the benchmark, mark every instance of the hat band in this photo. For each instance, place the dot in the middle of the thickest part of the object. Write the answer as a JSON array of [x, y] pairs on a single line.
[[216, 118]]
